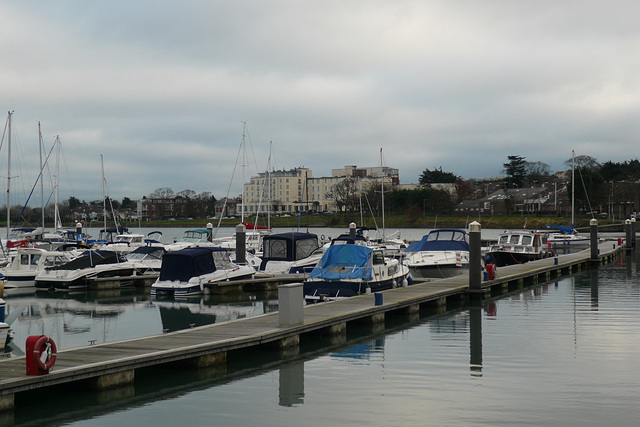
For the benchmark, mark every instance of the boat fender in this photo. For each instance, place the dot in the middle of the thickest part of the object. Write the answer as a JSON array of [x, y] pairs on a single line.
[[405, 283], [409, 280], [45, 345]]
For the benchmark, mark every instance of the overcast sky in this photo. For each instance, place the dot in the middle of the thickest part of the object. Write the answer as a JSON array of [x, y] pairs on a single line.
[[161, 88]]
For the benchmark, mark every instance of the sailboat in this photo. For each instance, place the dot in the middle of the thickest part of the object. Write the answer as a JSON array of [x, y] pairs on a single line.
[[565, 235]]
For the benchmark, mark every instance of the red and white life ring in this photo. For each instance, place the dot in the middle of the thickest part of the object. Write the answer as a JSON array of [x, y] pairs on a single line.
[[44, 345]]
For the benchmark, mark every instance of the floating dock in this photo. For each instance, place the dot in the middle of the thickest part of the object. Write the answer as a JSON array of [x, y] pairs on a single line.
[[113, 365]]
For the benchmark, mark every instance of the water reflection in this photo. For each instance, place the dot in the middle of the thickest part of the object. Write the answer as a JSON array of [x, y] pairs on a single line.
[[75, 320], [475, 341]]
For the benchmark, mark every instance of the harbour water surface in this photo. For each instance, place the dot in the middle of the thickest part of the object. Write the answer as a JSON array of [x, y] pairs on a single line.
[[559, 353]]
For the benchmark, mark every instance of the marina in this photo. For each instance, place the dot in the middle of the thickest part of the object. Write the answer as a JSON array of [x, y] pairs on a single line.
[[107, 365]]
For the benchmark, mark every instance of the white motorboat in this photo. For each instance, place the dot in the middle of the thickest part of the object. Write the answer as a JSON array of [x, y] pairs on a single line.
[[290, 253], [189, 271], [93, 264], [442, 253], [27, 263], [517, 247]]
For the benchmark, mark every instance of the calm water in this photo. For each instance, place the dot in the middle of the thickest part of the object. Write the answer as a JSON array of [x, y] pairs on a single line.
[[562, 353]]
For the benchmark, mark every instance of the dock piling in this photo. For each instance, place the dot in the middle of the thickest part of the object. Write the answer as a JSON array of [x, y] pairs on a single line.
[[241, 244], [475, 257], [593, 227], [290, 304]]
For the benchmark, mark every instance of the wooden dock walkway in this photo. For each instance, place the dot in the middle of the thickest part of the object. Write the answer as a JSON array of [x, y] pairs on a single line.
[[113, 364]]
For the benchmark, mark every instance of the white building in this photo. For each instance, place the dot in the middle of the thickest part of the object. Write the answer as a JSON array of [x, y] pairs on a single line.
[[290, 191]]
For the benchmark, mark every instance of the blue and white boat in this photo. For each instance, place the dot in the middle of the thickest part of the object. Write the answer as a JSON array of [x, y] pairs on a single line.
[[566, 235], [188, 271], [443, 252], [290, 253], [350, 269]]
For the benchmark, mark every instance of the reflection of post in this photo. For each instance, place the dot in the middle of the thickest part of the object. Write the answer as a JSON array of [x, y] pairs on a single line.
[[594, 288], [475, 329], [291, 390]]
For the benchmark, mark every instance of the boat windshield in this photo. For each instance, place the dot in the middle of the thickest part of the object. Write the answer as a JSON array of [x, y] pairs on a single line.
[[222, 261], [452, 235], [305, 248]]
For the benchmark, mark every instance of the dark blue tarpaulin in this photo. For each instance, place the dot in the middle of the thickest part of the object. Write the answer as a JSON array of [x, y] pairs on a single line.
[[187, 263], [441, 240]]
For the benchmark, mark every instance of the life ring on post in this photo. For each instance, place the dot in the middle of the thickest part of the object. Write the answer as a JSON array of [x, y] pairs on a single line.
[[45, 345]]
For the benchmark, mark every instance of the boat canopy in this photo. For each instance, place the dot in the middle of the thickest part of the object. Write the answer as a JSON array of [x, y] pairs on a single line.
[[563, 229], [346, 239], [447, 239], [289, 246], [149, 250], [341, 262], [184, 264], [90, 259]]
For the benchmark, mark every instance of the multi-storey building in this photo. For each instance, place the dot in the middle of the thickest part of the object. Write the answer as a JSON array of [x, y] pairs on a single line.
[[295, 190]]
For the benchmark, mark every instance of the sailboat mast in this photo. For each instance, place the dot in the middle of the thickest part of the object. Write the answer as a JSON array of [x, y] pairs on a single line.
[[9, 176], [41, 148], [573, 186], [382, 193], [269, 187], [56, 213], [104, 202], [244, 161]]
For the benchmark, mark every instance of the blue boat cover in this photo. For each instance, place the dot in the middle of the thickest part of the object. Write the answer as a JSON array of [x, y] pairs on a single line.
[[344, 262], [184, 264], [563, 229], [441, 240]]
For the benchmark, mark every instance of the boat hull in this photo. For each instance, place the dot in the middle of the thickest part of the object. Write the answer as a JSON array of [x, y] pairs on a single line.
[[504, 258], [317, 291], [437, 271]]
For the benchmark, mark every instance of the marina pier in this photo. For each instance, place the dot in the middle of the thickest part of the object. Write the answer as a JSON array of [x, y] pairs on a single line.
[[112, 365]]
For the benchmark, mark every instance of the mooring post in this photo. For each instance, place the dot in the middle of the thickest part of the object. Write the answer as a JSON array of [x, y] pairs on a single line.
[[352, 229], [475, 256], [633, 232], [209, 232], [290, 304], [593, 228], [79, 232], [241, 244], [627, 234]]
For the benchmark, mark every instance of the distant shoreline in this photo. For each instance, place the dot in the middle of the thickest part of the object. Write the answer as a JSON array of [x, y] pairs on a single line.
[[391, 221]]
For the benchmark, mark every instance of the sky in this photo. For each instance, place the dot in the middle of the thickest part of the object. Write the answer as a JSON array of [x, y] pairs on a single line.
[[164, 91]]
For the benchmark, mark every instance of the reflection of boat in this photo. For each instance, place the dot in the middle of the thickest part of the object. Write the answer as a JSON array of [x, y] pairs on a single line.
[[27, 263], [292, 252], [348, 270], [79, 272], [517, 247], [178, 315], [188, 271], [441, 253]]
